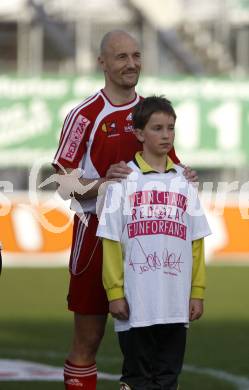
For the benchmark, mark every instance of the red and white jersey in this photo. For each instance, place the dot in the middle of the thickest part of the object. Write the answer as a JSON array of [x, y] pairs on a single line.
[[95, 135]]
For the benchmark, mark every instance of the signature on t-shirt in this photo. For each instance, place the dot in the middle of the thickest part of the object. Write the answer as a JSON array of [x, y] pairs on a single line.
[[169, 262]]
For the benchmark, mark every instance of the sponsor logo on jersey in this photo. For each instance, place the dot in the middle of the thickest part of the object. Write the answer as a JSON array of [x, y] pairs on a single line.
[[110, 128], [129, 117], [75, 137], [129, 129]]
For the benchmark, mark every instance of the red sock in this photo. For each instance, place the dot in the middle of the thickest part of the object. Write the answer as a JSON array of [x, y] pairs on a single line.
[[80, 377]]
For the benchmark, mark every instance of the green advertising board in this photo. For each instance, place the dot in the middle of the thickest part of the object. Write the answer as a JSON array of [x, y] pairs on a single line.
[[212, 116]]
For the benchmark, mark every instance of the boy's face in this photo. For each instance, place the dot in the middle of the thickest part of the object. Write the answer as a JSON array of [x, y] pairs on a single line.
[[158, 135]]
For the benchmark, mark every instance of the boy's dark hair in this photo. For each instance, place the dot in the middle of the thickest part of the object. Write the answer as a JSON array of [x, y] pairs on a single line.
[[146, 107]]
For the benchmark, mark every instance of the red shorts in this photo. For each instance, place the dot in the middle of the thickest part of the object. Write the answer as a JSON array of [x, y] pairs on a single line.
[[86, 292]]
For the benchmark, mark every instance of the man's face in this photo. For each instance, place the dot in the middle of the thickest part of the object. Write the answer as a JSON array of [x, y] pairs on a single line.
[[158, 134], [121, 61]]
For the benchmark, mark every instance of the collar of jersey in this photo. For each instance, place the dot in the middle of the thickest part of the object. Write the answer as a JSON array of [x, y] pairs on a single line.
[[146, 168], [119, 105]]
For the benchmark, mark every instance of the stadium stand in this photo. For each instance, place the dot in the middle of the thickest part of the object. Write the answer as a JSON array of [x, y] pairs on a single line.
[[195, 37], [190, 37]]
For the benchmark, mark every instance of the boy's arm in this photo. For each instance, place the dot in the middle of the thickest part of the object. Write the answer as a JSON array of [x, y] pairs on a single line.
[[113, 279], [198, 270], [113, 274], [198, 280]]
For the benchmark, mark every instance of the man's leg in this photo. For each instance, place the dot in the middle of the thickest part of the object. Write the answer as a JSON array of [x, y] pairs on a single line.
[[87, 299], [88, 333], [80, 367]]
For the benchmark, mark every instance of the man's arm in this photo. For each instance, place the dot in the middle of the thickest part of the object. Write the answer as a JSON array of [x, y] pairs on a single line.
[[84, 188]]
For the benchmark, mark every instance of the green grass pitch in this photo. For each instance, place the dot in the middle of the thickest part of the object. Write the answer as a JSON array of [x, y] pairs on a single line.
[[36, 326]]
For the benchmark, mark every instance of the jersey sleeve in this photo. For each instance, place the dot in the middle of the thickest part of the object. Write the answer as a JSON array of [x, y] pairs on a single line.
[[173, 156], [73, 140], [199, 224], [111, 219]]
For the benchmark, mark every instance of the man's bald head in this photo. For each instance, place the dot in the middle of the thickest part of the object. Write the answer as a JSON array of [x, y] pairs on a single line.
[[111, 37], [120, 60]]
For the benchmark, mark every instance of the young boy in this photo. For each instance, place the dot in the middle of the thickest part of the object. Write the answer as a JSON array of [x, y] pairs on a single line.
[[153, 262]]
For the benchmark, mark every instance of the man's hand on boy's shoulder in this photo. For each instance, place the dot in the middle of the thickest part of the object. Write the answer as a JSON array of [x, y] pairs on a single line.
[[190, 174], [195, 309], [119, 309], [118, 171]]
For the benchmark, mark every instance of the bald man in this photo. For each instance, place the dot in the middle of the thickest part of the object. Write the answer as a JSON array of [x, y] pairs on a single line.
[[97, 136]]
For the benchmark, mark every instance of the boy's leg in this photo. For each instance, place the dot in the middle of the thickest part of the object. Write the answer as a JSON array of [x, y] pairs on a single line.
[[169, 354], [137, 347]]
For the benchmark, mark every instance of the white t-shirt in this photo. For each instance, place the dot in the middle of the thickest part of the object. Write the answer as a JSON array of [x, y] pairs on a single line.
[[155, 217]]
